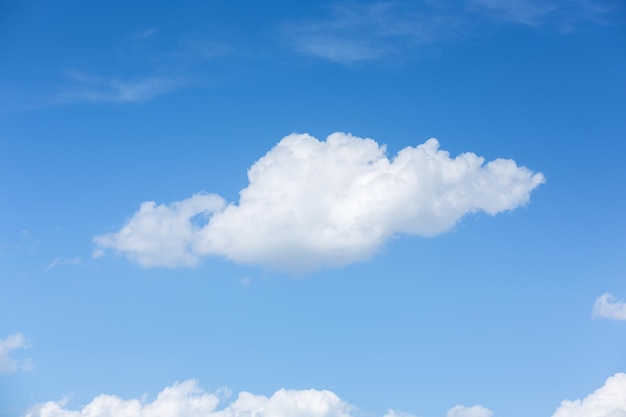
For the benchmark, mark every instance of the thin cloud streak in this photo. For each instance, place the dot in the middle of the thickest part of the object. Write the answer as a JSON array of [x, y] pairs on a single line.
[[358, 32], [144, 34], [564, 14], [355, 32], [64, 261], [114, 90]]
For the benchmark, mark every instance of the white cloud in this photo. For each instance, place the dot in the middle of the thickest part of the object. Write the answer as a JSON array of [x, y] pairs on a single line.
[[609, 307], [607, 401], [187, 399], [474, 411], [312, 204], [162, 235], [7, 345]]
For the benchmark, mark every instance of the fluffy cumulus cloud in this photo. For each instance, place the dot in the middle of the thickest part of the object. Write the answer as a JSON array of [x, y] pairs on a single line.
[[473, 411], [607, 401], [187, 399], [312, 204], [607, 306], [9, 344]]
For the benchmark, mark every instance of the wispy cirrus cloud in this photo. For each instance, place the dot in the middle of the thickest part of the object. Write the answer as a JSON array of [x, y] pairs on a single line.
[[609, 307], [311, 204], [11, 343], [64, 261], [366, 31], [144, 34], [564, 14], [355, 31], [99, 89]]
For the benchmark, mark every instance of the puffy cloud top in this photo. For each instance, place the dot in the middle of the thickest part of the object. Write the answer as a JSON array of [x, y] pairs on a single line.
[[187, 399], [312, 204], [607, 401]]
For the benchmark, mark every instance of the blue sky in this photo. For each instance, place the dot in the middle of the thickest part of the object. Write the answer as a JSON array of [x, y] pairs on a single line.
[[180, 215]]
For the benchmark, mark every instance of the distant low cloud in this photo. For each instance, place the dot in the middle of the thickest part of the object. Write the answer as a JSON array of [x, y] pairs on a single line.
[[607, 401], [311, 204], [187, 399], [473, 411], [609, 307], [9, 364]]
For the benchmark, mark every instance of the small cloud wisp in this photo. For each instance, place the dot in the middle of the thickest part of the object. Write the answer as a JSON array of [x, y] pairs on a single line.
[[473, 411], [609, 307], [9, 364]]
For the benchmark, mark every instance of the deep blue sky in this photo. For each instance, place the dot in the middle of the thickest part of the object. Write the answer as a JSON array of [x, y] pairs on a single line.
[[105, 105]]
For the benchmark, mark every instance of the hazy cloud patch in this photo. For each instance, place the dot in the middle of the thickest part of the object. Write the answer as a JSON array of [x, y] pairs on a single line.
[[473, 411], [9, 364], [311, 204], [564, 14], [99, 89], [357, 31], [354, 31], [609, 307], [64, 261]]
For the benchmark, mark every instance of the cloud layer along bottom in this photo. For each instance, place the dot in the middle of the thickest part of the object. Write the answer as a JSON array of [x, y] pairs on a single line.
[[187, 399], [311, 204]]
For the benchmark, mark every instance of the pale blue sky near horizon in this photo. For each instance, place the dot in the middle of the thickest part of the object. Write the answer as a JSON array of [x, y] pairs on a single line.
[[106, 105]]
